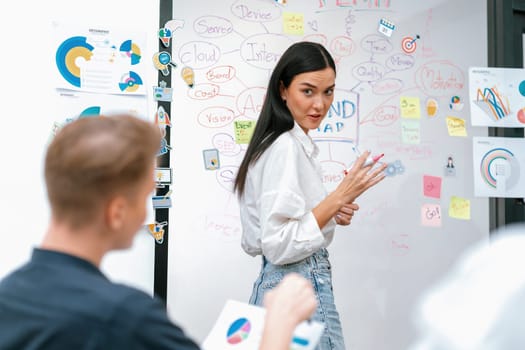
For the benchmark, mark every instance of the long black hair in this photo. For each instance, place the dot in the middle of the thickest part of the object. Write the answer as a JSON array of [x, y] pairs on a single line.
[[275, 118]]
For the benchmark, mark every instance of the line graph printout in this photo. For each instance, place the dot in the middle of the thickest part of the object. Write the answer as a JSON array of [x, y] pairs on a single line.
[[499, 167], [497, 97]]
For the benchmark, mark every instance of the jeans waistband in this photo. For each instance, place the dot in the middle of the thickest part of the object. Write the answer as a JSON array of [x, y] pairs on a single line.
[[313, 260]]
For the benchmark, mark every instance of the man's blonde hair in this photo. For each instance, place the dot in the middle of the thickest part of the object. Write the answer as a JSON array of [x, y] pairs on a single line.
[[94, 158]]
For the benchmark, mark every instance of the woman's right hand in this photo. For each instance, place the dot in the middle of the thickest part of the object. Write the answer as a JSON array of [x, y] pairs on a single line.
[[360, 178]]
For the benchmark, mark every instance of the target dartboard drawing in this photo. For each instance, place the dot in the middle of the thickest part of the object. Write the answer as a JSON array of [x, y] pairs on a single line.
[[408, 44]]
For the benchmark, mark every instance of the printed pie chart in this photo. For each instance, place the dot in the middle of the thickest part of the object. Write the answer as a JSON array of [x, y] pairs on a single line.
[[238, 331]]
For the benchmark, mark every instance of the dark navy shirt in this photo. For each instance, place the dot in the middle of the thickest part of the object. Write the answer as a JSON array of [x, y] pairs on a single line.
[[58, 301]]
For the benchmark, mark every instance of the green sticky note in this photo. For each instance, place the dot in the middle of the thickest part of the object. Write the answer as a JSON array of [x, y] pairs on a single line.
[[243, 130]]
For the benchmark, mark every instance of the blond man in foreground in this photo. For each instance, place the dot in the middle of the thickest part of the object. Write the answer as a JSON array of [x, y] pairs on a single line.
[[99, 177]]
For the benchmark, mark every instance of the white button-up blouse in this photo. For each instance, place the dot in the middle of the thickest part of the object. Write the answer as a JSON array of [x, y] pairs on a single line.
[[282, 188]]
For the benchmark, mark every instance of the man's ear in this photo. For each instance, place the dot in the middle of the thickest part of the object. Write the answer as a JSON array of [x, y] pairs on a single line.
[[116, 213]]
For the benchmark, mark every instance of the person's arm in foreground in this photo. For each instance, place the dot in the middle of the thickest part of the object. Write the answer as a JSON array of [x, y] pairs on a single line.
[[290, 303]]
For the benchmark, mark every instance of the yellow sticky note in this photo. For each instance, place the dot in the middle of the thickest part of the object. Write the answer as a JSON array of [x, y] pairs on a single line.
[[243, 131], [293, 23], [410, 107], [459, 208], [456, 126]]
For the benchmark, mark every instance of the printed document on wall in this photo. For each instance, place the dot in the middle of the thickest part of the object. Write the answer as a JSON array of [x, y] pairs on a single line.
[[497, 97], [499, 167], [99, 60]]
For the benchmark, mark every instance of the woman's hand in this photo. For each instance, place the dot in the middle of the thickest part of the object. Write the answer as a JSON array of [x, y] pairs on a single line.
[[346, 213], [360, 178]]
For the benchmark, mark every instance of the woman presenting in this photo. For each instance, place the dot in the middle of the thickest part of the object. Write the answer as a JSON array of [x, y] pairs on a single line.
[[287, 216]]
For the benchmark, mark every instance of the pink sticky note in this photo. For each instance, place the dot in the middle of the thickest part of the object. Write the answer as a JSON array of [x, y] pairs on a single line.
[[431, 215], [432, 186]]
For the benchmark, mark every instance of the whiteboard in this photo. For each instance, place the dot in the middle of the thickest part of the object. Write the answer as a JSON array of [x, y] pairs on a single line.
[[403, 95]]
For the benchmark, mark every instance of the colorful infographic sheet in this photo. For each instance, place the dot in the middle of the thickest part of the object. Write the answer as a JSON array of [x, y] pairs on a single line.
[[499, 167], [99, 60], [497, 97]]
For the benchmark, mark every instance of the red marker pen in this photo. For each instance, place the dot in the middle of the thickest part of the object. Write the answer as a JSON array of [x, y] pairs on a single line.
[[369, 161]]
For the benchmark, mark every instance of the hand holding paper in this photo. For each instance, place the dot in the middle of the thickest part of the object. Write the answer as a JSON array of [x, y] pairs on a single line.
[[281, 325]]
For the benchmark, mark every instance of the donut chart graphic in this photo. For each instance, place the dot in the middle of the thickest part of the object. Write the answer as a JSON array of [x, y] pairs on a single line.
[[130, 82], [131, 50], [496, 161], [67, 54], [238, 331], [90, 112]]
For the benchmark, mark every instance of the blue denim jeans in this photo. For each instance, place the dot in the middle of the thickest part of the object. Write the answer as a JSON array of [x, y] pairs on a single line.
[[317, 269]]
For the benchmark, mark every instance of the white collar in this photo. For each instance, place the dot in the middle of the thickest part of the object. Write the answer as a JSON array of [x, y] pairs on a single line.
[[306, 141]]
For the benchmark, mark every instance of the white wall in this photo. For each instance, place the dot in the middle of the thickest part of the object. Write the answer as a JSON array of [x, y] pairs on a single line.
[[28, 104]]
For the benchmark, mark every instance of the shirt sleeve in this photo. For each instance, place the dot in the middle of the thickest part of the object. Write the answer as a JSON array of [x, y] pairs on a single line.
[[289, 229]]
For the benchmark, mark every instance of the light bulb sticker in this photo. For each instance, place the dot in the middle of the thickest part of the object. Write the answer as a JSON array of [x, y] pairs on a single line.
[[165, 35], [162, 61], [188, 75]]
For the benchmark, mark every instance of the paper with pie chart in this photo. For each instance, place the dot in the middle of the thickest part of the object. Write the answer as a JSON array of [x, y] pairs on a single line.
[[240, 327], [497, 97], [99, 60], [75, 105], [499, 167]]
